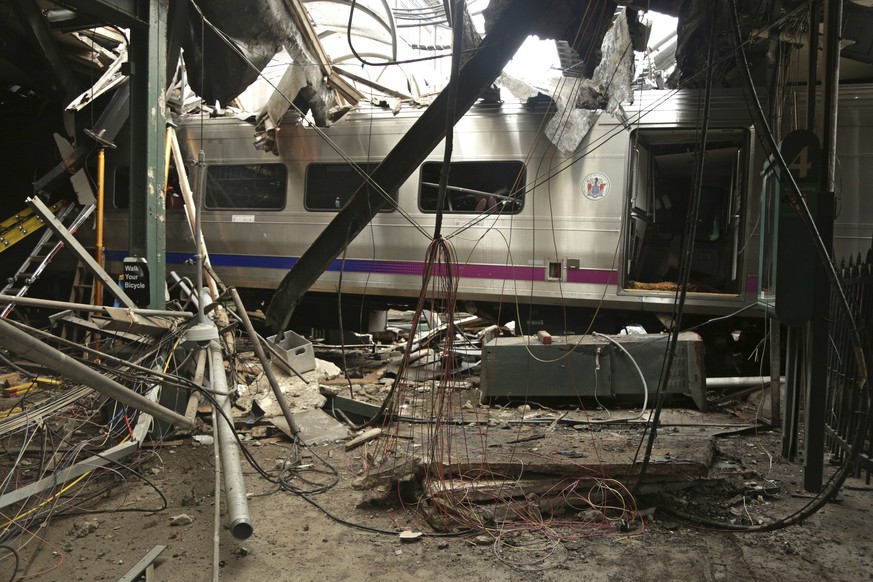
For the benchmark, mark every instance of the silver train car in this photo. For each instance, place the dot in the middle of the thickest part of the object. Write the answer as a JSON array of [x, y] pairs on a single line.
[[600, 228]]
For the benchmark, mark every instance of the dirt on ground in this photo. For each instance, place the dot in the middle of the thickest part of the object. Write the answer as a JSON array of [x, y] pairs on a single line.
[[344, 533], [541, 507]]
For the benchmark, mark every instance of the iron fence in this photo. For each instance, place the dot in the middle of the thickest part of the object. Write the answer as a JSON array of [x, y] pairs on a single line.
[[844, 391]]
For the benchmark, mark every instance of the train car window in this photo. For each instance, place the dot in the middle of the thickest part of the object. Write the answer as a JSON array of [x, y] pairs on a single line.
[[246, 186], [660, 193], [475, 187], [121, 189], [330, 185]]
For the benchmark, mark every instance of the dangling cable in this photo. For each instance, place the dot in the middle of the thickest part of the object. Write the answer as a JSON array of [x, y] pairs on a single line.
[[687, 255], [863, 417], [452, 92]]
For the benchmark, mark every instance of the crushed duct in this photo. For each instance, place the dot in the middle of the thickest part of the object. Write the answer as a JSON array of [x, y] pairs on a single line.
[[303, 84]]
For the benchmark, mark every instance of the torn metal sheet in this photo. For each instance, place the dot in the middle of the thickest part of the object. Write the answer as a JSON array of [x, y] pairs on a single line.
[[81, 183], [108, 80]]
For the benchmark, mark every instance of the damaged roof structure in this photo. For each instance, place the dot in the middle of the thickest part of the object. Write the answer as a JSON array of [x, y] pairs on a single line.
[[295, 276]]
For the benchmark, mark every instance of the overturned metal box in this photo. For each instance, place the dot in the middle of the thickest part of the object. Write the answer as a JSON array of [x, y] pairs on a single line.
[[294, 350], [522, 368]]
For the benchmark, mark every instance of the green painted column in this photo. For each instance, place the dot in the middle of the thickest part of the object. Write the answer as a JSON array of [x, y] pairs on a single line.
[[148, 54]]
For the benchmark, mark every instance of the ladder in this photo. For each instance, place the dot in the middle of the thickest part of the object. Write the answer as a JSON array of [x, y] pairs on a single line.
[[42, 254], [19, 225], [82, 290]]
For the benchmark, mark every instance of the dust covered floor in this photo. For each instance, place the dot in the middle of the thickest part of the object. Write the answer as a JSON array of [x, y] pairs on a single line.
[[496, 493], [295, 540]]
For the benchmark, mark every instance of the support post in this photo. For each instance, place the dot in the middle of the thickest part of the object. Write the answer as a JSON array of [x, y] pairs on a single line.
[[148, 48], [791, 418], [775, 372], [816, 395]]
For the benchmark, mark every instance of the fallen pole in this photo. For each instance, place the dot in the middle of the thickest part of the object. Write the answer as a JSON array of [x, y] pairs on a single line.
[[234, 484], [16, 340], [265, 362], [517, 20], [739, 381], [51, 304]]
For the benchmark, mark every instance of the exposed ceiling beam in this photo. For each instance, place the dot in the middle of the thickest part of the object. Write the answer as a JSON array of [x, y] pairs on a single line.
[[33, 22], [125, 13], [512, 27]]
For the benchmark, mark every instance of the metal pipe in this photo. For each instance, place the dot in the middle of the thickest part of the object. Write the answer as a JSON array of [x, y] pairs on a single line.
[[216, 523], [60, 305], [98, 251], [265, 362], [812, 65], [739, 381], [18, 341], [775, 366], [234, 484], [198, 233]]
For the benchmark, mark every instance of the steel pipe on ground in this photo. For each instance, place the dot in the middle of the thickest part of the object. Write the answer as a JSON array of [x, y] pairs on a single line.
[[234, 484], [739, 381]]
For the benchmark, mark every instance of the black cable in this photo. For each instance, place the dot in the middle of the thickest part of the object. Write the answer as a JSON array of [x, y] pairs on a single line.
[[136, 473], [13, 365], [685, 263], [863, 416], [363, 61], [14, 553], [376, 529]]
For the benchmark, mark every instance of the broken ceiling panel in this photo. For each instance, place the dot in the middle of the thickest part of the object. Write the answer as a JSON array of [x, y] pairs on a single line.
[[580, 101]]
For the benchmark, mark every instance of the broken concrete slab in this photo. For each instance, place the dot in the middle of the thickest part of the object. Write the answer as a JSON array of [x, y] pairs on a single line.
[[316, 427], [299, 394]]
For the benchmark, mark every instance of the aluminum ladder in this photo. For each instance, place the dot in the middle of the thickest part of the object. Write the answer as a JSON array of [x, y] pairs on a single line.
[[42, 254]]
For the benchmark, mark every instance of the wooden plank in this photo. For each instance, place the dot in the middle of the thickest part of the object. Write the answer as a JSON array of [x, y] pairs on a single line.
[[491, 489], [371, 378], [364, 437]]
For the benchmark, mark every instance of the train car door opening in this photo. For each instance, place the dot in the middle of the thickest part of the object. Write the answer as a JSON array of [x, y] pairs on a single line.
[[659, 193]]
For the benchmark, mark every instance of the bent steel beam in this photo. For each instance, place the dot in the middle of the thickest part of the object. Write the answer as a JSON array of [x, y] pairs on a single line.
[[515, 22], [19, 342]]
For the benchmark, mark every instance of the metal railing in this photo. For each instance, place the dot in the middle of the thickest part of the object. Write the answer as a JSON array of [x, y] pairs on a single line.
[[845, 398]]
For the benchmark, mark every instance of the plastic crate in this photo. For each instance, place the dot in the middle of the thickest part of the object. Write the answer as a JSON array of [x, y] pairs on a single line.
[[295, 351]]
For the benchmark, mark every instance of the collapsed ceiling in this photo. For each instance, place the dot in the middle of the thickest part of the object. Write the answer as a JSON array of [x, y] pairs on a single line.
[[348, 50]]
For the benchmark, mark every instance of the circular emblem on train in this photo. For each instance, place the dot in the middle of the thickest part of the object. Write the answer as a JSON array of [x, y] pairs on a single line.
[[595, 186]]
